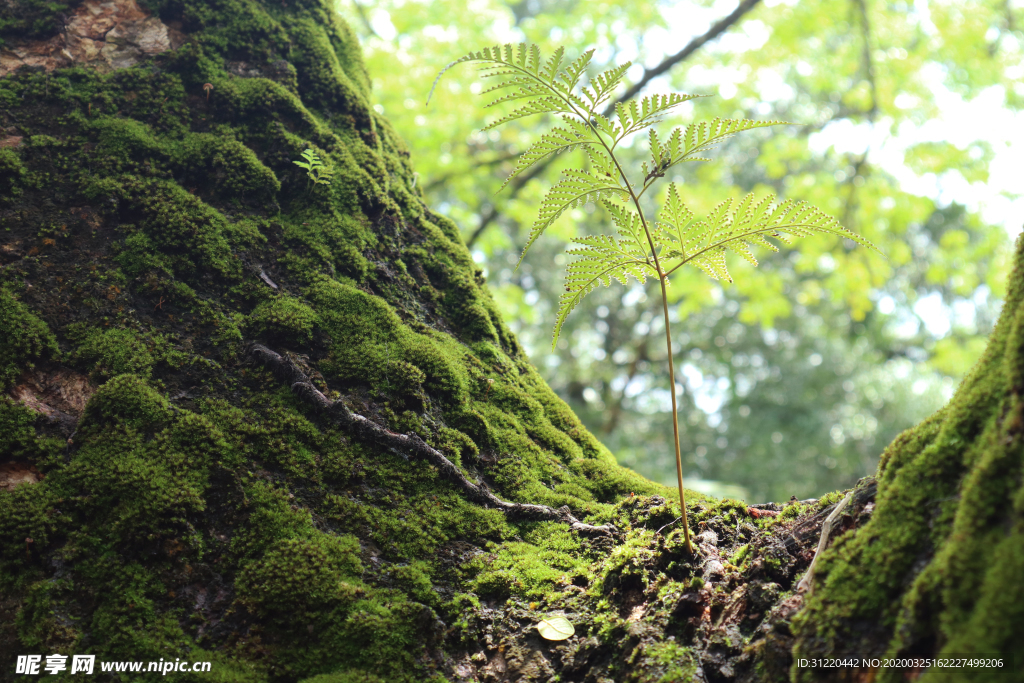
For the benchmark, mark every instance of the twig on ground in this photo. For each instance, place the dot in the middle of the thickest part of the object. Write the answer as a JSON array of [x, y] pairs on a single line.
[[826, 530]]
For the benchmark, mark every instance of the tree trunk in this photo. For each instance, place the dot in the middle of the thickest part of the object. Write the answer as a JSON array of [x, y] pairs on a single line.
[[278, 425]]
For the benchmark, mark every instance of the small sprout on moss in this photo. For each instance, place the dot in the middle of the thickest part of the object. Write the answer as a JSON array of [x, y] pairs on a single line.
[[741, 555], [555, 628], [315, 168], [207, 87]]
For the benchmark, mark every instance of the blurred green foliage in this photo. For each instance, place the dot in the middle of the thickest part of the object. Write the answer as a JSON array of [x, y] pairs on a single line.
[[794, 379]]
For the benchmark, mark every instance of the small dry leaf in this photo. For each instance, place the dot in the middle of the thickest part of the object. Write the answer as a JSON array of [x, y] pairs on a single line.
[[555, 628]]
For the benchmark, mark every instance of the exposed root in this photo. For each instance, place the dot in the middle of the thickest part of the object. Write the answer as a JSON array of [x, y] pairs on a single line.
[[412, 445]]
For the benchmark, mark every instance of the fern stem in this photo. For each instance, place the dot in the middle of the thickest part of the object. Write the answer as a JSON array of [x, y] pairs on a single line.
[[662, 279], [675, 413]]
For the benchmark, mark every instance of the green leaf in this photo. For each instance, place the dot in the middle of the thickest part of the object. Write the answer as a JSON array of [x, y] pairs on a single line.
[[635, 116], [603, 84], [544, 105], [673, 223], [556, 628], [571, 76], [574, 189], [602, 163], [629, 227], [704, 243], [702, 136], [556, 141], [600, 259], [315, 169], [550, 68]]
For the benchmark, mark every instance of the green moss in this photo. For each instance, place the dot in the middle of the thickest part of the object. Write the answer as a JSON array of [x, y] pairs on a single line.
[[283, 319], [298, 582], [12, 174], [194, 473], [26, 338], [31, 19], [26, 512], [126, 401], [18, 437], [224, 166], [349, 676], [115, 352], [530, 568], [741, 555], [666, 662], [414, 580], [926, 570]]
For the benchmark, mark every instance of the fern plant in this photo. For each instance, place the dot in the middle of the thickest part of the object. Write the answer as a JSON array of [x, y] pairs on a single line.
[[642, 247], [315, 169]]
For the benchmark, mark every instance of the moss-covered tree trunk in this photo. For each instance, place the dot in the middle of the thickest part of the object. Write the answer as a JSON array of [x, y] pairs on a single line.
[[280, 426]]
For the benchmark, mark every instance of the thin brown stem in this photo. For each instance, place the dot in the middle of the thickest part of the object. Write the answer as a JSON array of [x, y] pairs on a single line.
[[662, 278], [675, 412]]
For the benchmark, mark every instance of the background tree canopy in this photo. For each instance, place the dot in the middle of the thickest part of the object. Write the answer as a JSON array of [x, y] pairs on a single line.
[[794, 378]]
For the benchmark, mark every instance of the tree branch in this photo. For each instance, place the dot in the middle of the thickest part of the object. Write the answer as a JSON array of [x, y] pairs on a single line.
[[361, 11], [869, 64], [410, 444], [440, 180], [716, 30]]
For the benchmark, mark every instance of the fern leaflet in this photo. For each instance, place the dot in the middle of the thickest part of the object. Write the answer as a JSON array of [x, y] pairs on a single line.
[[704, 243], [599, 259], [556, 141], [633, 116], [575, 188], [702, 136], [603, 84]]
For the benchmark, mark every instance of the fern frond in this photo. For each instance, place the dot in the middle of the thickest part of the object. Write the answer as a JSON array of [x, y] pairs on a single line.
[[526, 89], [603, 84], [704, 243], [315, 169], [672, 224], [630, 227], [520, 67], [606, 125], [633, 117], [602, 163], [544, 105], [571, 76], [575, 188], [550, 68], [556, 141], [704, 135], [612, 249], [597, 263]]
